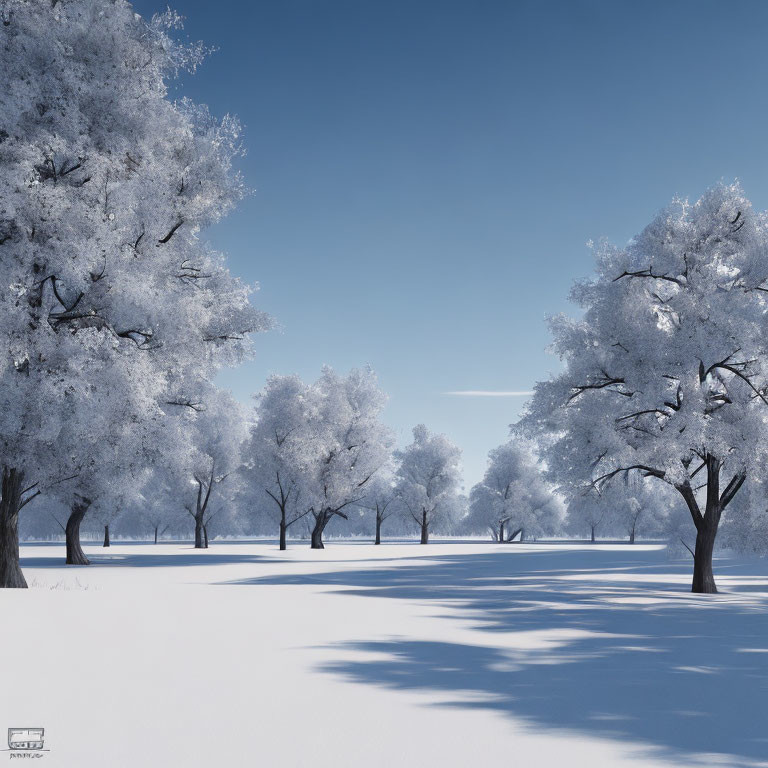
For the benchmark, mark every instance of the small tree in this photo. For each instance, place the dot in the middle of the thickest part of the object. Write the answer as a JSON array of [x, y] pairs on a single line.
[[587, 512], [217, 433], [428, 476], [665, 374], [381, 499], [512, 497], [275, 453]]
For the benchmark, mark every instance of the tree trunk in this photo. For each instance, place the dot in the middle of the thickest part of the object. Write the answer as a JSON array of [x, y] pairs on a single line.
[[522, 535], [378, 529], [707, 524], [283, 531], [321, 520], [199, 541], [106, 535], [593, 534], [703, 577], [75, 554], [513, 534], [205, 535], [156, 527], [424, 527], [501, 531], [632, 535], [10, 504]]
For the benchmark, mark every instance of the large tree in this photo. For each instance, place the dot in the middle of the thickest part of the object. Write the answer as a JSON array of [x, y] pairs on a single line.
[[111, 295], [665, 374], [428, 477]]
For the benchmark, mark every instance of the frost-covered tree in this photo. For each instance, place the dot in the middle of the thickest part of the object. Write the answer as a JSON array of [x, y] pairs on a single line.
[[110, 295], [588, 511], [512, 497], [161, 506], [639, 506], [666, 374], [276, 453], [217, 432], [381, 499], [428, 477], [346, 444]]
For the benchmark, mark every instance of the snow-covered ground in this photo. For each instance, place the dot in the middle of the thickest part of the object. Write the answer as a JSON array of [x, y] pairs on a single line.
[[452, 654]]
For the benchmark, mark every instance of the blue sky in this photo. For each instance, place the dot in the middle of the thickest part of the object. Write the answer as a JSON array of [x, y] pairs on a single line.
[[427, 174]]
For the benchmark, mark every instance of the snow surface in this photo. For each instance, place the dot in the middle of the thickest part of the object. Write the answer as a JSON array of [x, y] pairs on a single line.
[[451, 654]]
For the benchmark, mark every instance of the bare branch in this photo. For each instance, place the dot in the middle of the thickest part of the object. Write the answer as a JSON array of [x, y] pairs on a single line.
[[171, 232]]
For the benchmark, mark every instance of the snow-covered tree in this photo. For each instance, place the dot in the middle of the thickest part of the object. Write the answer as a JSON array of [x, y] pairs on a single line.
[[217, 432], [347, 445], [639, 506], [428, 477], [666, 373], [512, 497], [276, 453], [161, 506], [110, 295], [381, 499], [588, 512]]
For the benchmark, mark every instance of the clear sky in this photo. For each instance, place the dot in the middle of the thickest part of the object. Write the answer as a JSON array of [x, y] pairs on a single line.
[[427, 173]]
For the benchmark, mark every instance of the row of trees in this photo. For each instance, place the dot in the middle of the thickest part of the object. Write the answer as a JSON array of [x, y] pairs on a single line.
[[114, 314]]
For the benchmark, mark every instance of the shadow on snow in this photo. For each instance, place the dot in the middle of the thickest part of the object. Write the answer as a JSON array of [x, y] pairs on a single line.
[[630, 655]]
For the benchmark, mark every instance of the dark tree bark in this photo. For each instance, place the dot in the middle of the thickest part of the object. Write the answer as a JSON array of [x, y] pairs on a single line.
[[106, 535], [283, 532], [632, 535], [707, 524], [703, 576], [156, 527], [522, 535], [424, 527], [501, 531], [514, 533], [204, 488], [593, 534], [378, 528], [201, 538], [10, 505], [321, 520], [75, 554]]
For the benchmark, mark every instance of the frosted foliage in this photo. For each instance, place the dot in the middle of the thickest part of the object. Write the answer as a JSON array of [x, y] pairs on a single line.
[[666, 373], [429, 475], [513, 493], [347, 444], [315, 447], [114, 313], [745, 525], [212, 454], [278, 450], [380, 494]]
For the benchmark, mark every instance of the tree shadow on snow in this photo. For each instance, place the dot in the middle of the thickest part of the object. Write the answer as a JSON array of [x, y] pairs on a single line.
[[628, 655]]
